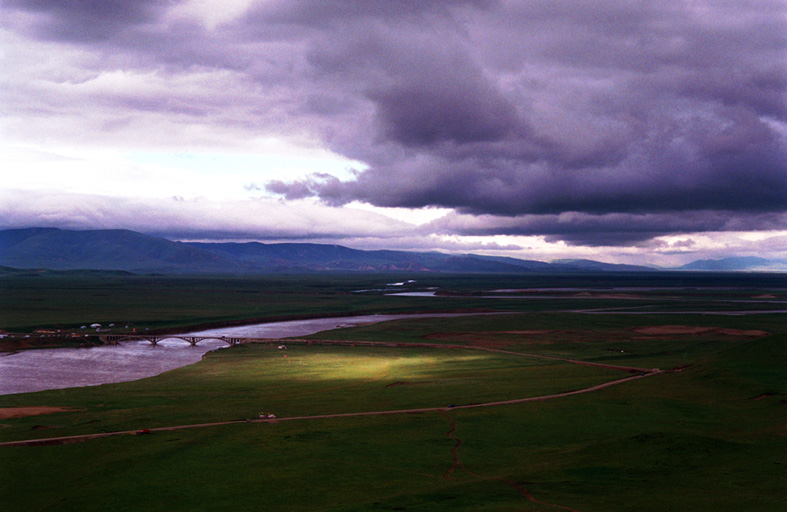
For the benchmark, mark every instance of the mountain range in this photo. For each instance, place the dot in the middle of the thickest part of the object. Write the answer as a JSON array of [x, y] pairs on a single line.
[[124, 250], [748, 263]]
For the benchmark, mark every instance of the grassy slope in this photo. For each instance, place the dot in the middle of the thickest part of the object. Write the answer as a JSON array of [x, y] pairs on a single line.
[[696, 440]]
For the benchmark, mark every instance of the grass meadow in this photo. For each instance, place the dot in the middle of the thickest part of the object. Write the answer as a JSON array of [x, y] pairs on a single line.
[[709, 437]]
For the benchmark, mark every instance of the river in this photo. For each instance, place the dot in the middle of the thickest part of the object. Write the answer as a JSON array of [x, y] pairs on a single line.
[[37, 370]]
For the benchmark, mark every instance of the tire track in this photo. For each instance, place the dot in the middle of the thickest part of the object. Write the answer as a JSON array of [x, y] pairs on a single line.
[[457, 463]]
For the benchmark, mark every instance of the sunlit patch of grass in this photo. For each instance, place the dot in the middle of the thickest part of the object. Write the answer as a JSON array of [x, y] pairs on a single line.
[[330, 366]]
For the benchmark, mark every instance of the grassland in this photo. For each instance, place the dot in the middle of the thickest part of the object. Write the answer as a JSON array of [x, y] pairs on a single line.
[[69, 300], [32, 301], [708, 437]]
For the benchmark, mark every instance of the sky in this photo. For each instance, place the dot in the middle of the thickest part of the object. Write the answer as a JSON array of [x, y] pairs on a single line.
[[622, 131]]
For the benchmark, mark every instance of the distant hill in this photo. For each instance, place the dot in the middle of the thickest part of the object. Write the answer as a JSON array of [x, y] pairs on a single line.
[[123, 250], [317, 257], [750, 263], [114, 249], [10, 271], [590, 265]]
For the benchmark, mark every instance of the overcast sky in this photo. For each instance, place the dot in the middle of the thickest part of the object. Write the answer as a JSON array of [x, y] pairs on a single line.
[[618, 130]]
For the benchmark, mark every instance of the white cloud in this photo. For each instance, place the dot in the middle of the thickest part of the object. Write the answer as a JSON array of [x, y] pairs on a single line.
[[210, 12], [212, 175], [176, 217]]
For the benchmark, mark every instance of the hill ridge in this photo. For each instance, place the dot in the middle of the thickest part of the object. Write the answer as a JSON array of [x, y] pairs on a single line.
[[126, 250]]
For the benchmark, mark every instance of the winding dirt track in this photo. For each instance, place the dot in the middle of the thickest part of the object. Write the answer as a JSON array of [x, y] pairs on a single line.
[[456, 461], [81, 438], [641, 373]]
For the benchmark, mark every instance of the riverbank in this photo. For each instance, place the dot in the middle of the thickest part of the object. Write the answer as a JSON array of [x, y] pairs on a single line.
[[33, 370], [410, 427], [32, 341]]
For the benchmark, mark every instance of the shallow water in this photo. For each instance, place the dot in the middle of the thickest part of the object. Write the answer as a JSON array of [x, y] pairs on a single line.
[[37, 370]]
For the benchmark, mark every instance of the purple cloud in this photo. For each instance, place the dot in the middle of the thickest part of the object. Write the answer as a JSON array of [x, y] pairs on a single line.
[[636, 119], [586, 107], [612, 229], [88, 20]]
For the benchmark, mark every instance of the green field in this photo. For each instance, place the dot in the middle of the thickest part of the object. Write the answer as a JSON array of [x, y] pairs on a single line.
[[30, 301], [708, 437], [68, 300]]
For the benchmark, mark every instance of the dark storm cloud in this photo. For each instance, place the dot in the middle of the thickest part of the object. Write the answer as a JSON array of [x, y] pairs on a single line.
[[614, 229], [87, 20], [571, 106], [448, 106], [645, 117]]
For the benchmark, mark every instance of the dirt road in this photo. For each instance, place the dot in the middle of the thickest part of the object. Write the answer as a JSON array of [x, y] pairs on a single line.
[[81, 438]]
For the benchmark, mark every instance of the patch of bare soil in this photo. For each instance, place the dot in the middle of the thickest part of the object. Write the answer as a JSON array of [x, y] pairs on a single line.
[[741, 332], [21, 412], [686, 329]]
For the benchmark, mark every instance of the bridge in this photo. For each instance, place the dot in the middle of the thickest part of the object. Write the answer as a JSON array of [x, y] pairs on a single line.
[[154, 339], [114, 339]]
